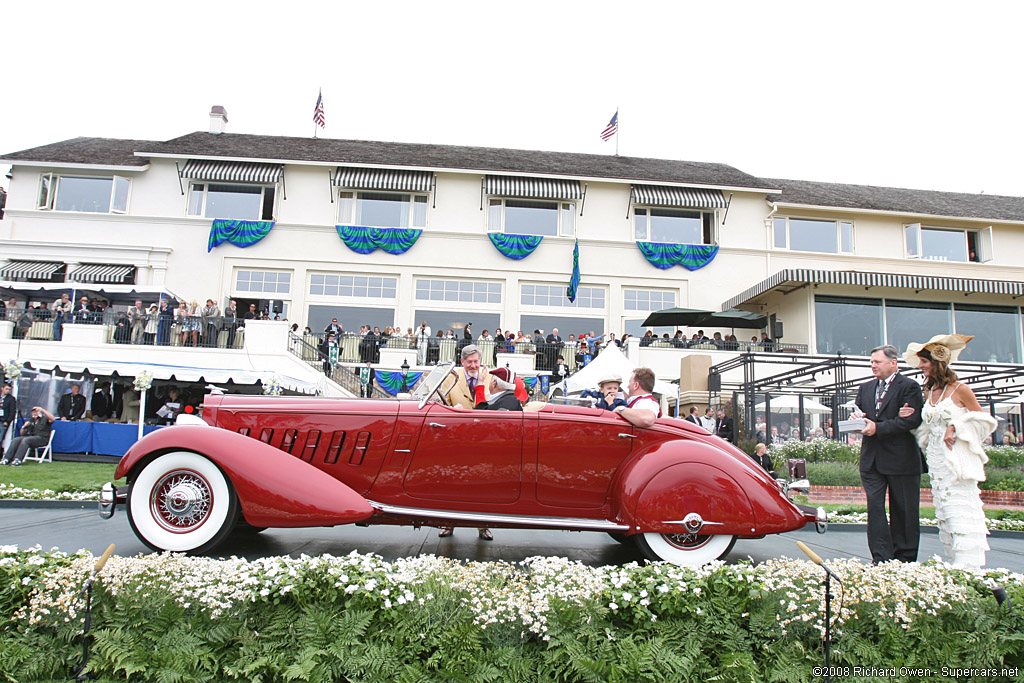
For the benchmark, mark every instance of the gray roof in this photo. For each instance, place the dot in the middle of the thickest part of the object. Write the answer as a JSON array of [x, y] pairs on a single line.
[[923, 202], [483, 159], [95, 151]]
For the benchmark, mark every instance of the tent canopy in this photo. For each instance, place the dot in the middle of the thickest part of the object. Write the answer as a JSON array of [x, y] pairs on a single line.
[[103, 368], [610, 360], [790, 403]]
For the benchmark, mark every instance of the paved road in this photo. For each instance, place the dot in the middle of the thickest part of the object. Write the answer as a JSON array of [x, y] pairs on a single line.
[[71, 529]]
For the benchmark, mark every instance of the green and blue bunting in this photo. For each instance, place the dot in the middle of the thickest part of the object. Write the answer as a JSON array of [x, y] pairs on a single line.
[[574, 279], [364, 240], [391, 380], [530, 382], [237, 232], [689, 256], [515, 247]]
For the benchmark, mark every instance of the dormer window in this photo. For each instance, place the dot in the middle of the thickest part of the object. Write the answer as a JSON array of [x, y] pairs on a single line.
[[88, 194]]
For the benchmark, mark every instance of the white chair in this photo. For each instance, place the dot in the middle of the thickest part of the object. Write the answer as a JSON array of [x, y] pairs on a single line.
[[47, 451]]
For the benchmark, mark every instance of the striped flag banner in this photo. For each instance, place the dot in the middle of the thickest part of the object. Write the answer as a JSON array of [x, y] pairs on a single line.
[[318, 112], [612, 128]]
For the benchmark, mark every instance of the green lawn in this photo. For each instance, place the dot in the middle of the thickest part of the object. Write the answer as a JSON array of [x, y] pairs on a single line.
[[59, 476]]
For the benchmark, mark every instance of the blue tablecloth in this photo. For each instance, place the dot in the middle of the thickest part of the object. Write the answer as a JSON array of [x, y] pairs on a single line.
[[103, 438]]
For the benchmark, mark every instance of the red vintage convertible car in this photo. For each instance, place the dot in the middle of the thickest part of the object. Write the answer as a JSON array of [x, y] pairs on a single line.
[[679, 493]]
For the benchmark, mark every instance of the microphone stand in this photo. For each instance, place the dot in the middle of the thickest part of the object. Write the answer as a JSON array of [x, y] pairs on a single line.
[[828, 607], [79, 673]]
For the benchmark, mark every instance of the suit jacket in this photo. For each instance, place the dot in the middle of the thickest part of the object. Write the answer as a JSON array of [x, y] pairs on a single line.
[[8, 409], [506, 400], [102, 406], [693, 418], [892, 449], [460, 395], [726, 429], [72, 406]]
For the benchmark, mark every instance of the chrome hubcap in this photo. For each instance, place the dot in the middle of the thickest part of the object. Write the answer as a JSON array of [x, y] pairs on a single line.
[[181, 501], [686, 541]]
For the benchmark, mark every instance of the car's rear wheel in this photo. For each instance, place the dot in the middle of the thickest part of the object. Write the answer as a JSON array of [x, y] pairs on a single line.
[[687, 550], [182, 502]]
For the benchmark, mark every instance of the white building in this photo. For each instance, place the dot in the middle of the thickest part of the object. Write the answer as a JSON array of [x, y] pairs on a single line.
[[842, 267]]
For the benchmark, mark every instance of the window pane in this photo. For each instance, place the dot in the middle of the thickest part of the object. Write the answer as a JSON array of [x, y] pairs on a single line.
[[805, 235], [997, 333], [121, 186], [84, 194], [677, 227], [195, 200], [779, 225], [912, 234], [850, 326], [908, 321], [944, 245], [234, 201], [382, 210], [494, 216], [640, 225], [568, 227], [419, 213], [44, 191], [846, 237], [531, 218], [345, 203]]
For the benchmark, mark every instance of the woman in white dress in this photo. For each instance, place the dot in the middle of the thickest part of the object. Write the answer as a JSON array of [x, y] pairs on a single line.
[[951, 433]]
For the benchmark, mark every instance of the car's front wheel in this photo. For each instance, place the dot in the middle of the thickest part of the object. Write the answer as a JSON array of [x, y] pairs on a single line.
[[182, 502], [687, 550]]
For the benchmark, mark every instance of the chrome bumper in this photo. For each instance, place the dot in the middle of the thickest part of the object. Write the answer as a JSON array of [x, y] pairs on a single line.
[[110, 497], [817, 515]]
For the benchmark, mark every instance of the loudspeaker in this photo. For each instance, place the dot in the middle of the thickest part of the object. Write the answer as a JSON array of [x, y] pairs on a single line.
[[714, 381], [278, 305], [263, 305], [777, 330]]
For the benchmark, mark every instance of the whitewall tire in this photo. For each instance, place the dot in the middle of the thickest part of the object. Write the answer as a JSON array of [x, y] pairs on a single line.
[[182, 502], [686, 550]]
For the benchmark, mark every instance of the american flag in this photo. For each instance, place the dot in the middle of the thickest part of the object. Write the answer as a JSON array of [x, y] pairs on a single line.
[[318, 113], [612, 128]]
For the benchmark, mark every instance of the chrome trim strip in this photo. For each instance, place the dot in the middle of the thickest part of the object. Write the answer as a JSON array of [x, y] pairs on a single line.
[[525, 520], [679, 521]]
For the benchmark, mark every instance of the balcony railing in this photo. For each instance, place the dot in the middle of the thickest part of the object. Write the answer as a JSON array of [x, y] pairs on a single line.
[[300, 346]]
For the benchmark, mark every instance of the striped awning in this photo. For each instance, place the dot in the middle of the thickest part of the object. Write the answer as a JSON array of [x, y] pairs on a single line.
[[29, 270], [383, 179], [918, 283], [232, 171], [532, 188], [685, 197], [101, 272]]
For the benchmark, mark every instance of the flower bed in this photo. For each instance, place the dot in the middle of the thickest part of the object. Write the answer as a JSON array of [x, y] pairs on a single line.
[[359, 618], [9, 492]]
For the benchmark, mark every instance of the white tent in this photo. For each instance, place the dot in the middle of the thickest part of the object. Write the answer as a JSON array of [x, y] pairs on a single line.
[[179, 372], [610, 360], [789, 403]]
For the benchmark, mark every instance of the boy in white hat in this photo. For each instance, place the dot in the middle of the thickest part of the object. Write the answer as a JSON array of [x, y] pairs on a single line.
[[608, 395]]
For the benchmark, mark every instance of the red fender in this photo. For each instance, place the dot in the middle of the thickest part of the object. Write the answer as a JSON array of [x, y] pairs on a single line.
[[675, 478], [275, 489]]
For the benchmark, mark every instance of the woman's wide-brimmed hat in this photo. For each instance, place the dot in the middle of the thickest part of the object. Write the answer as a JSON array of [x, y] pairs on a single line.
[[942, 347]]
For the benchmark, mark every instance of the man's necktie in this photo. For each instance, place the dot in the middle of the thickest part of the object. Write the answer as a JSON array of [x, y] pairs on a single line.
[[879, 395], [472, 384]]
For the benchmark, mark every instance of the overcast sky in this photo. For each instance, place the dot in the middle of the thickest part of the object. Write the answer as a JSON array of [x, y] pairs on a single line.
[[910, 94]]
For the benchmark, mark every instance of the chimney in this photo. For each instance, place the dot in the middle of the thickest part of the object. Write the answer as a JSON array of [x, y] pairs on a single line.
[[218, 119]]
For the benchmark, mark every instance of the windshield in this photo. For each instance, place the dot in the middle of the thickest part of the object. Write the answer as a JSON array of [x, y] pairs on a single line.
[[426, 388]]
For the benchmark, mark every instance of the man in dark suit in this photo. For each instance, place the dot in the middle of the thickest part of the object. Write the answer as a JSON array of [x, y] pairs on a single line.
[[692, 417], [102, 403], [890, 459], [725, 427], [8, 412], [72, 406]]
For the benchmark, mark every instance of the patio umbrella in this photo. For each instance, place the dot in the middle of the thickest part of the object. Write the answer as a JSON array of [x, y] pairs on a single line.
[[676, 317], [694, 317], [789, 403]]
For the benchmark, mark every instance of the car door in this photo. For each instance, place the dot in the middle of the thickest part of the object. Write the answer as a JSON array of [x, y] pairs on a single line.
[[473, 456], [577, 456]]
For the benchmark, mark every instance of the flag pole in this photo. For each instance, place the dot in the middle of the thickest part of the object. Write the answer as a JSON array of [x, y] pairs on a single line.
[[617, 130]]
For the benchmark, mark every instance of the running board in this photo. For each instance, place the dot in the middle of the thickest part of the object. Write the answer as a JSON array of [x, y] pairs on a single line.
[[497, 520]]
